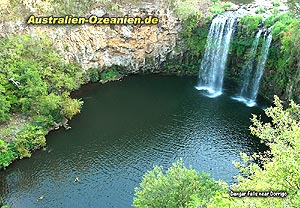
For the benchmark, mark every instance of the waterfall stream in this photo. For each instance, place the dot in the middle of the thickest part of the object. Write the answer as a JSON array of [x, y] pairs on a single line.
[[248, 68], [261, 65], [253, 74], [212, 67]]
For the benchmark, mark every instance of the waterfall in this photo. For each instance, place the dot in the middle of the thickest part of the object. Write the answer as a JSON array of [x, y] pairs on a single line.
[[252, 76], [248, 68], [212, 67], [261, 65]]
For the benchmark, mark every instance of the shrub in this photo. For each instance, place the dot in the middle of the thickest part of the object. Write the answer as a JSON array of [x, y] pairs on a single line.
[[279, 168], [70, 107], [177, 187], [4, 108], [7, 154], [109, 75], [261, 10], [93, 74], [36, 82], [250, 23], [186, 9]]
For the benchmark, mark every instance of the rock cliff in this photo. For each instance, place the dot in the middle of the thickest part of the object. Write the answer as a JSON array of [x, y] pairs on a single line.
[[136, 48]]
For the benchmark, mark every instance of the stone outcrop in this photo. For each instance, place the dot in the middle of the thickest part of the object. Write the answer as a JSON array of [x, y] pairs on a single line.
[[136, 48]]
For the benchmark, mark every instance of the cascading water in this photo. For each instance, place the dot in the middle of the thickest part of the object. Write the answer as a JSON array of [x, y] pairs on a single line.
[[261, 65], [253, 76], [248, 69], [212, 67]]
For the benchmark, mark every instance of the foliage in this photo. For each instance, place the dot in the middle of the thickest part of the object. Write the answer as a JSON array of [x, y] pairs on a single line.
[[216, 9], [177, 187], [284, 54], [93, 74], [227, 5], [7, 154], [194, 33], [276, 3], [4, 108], [109, 75], [261, 10], [282, 73], [279, 170], [219, 7], [71, 106], [294, 6], [186, 9], [279, 24], [36, 82], [37, 85], [249, 23]]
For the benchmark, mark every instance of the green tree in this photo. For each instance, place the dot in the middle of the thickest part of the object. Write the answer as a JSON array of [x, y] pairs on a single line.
[[70, 107], [279, 169], [178, 187], [36, 82]]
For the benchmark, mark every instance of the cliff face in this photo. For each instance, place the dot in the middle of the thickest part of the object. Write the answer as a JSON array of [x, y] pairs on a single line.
[[136, 48], [140, 48]]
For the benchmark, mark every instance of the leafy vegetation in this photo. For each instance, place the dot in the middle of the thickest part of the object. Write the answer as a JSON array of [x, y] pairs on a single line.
[[109, 75], [187, 9], [177, 187], [217, 8], [93, 74], [35, 82], [261, 10], [249, 24], [282, 66], [294, 6], [279, 170], [283, 62]]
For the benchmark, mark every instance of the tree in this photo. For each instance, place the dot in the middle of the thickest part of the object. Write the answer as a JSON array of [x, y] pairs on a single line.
[[178, 187], [279, 169]]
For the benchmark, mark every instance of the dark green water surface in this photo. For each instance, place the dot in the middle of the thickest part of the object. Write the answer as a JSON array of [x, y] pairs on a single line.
[[124, 129]]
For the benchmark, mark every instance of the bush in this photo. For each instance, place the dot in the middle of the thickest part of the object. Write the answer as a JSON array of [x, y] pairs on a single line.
[[177, 187], [250, 23], [217, 9], [40, 77], [71, 106], [279, 169], [109, 75], [36, 82], [4, 108], [7, 154], [186, 9], [261, 10], [93, 74]]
